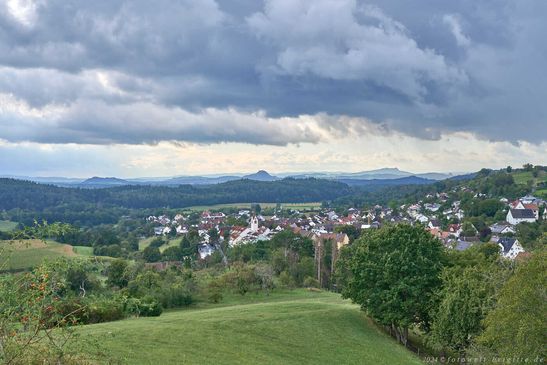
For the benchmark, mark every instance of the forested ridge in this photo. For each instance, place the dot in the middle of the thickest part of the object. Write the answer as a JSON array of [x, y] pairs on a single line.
[[32, 196]]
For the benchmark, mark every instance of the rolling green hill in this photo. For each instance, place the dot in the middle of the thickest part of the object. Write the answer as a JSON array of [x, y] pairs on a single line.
[[299, 327], [27, 254]]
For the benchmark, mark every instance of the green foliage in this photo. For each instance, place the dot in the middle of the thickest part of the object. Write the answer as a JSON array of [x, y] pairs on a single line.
[[468, 294], [517, 326], [287, 280], [395, 272], [288, 240], [145, 307], [171, 288], [151, 254], [352, 231], [173, 253], [117, 273], [476, 255], [310, 282], [468, 229], [530, 234], [488, 207], [91, 310], [88, 207], [157, 242], [34, 328], [214, 289]]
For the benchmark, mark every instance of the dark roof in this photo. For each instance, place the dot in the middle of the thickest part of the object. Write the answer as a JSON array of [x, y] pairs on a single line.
[[435, 222], [498, 227], [507, 243], [462, 245], [523, 213]]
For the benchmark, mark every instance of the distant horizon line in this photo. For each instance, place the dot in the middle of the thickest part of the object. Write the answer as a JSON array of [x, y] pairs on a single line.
[[238, 174]]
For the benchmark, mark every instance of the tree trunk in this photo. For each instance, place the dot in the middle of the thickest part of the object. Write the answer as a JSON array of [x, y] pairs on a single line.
[[401, 334], [82, 289], [405, 336]]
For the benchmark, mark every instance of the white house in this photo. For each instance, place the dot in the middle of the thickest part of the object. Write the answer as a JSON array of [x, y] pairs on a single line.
[[433, 207], [205, 250], [182, 230], [158, 231], [422, 218], [510, 247], [516, 216]]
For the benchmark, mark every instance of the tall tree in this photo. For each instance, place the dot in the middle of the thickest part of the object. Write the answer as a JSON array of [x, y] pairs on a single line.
[[395, 272], [468, 294], [517, 327]]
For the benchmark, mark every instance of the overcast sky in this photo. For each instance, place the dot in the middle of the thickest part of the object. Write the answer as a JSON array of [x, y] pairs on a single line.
[[170, 87]]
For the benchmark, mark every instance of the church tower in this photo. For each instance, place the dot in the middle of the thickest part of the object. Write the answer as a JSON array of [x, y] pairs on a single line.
[[254, 224]]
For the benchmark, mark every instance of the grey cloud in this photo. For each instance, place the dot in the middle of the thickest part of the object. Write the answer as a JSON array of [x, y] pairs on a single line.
[[342, 41], [418, 67], [96, 122]]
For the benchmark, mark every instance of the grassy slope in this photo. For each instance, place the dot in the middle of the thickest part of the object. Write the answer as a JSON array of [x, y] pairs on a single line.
[[522, 177], [30, 253], [298, 328], [83, 250], [146, 242]]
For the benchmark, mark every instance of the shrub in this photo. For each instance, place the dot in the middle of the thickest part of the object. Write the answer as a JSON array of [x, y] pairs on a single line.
[[286, 280], [310, 282], [90, 310], [104, 310], [215, 291], [175, 296], [150, 307], [146, 307]]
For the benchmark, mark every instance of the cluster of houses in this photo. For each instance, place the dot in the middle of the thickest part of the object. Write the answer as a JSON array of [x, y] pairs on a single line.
[[525, 209], [321, 226]]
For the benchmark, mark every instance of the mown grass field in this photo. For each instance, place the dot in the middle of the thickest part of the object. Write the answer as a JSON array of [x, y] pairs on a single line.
[[299, 327], [22, 255], [298, 206], [6, 226], [525, 176], [146, 242], [83, 250]]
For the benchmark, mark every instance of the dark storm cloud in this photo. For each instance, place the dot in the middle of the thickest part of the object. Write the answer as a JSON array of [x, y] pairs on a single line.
[[242, 71]]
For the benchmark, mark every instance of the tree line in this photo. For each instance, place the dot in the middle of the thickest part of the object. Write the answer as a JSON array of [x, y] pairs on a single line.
[[471, 303]]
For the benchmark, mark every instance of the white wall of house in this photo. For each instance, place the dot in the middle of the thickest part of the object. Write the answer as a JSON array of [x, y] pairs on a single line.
[[514, 221], [513, 252]]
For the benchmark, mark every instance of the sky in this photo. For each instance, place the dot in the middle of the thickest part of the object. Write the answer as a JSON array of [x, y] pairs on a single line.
[[135, 88]]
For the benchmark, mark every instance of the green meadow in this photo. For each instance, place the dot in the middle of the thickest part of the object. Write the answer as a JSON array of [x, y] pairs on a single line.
[[146, 242], [22, 255], [296, 327], [522, 177]]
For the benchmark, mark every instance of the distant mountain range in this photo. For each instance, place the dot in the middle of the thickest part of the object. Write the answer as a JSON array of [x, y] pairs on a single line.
[[385, 176], [380, 174], [408, 180]]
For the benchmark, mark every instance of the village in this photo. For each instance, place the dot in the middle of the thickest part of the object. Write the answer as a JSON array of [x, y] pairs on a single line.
[[439, 213]]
